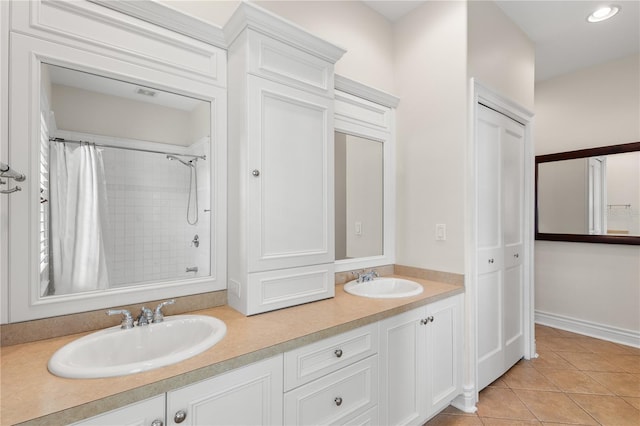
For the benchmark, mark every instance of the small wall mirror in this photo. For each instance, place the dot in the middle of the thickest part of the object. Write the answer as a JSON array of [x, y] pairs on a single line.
[[364, 176], [590, 195], [359, 177], [125, 188]]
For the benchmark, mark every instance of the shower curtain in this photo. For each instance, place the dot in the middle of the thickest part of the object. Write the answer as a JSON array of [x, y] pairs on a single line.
[[78, 218]]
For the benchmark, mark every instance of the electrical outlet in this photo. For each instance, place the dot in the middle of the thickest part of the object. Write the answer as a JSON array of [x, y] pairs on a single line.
[[441, 232]]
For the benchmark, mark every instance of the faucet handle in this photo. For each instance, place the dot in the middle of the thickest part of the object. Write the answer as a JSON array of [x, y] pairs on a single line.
[[127, 319], [158, 316], [358, 274]]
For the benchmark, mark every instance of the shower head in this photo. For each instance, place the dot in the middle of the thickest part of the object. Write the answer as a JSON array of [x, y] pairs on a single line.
[[173, 157]]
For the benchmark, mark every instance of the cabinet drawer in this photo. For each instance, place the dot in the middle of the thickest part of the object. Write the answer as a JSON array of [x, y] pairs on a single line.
[[278, 61], [326, 356], [137, 414], [335, 398]]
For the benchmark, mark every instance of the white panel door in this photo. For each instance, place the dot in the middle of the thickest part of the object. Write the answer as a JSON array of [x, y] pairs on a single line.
[[290, 203], [500, 201], [250, 395]]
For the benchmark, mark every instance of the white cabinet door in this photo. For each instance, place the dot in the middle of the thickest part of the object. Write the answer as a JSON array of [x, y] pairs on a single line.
[[500, 189], [444, 352], [403, 369], [143, 413], [250, 395], [290, 191], [420, 362]]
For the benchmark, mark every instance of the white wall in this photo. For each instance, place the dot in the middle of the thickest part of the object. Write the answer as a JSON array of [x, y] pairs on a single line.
[[500, 55], [591, 283], [430, 66]]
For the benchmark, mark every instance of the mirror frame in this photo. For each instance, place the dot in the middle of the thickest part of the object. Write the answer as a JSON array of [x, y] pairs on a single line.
[[370, 113], [572, 155]]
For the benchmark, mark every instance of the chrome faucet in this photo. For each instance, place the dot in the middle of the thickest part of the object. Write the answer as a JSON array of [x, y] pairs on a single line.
[[362, 277], [158, 316], [145, 317]]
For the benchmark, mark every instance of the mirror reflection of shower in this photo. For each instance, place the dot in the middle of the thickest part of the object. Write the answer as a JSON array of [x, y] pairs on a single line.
[[193, 177]]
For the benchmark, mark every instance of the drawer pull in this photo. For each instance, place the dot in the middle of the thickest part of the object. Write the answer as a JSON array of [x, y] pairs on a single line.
[[338, 352], [338, 401], [157, 422]]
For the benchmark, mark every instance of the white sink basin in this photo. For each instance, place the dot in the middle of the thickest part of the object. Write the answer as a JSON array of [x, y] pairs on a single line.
[[384, 288], [117, 352]]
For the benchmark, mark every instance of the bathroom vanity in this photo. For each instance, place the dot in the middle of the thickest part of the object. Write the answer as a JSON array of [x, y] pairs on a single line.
[[290, 366]]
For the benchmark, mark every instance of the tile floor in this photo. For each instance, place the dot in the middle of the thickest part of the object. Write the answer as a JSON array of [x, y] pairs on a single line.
[[576, 380]]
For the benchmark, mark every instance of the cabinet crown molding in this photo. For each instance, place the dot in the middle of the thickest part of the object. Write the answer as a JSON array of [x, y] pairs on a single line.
[[170, 18], [248, 15], [365, 92]]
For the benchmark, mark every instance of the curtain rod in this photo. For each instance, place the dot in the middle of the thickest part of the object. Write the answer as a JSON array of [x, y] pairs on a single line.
[[202, 157]]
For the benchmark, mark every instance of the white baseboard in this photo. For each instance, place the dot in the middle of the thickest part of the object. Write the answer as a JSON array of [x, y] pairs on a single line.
[[588, 328]]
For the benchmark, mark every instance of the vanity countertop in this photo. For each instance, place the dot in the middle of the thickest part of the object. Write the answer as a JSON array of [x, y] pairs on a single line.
[[29, 393]]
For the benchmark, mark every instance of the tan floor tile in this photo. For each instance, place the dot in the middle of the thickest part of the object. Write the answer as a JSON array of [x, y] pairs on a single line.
[[519, 377], [569, 334], [487, 421], [633, 401], [590, 361], [601, 346], [453, 420], [563, 344], [621, 384], [608, 410], [575, 381], [632, 350], [499, 383], [630, 363], [503, 404], [554, 407], [548, 359]]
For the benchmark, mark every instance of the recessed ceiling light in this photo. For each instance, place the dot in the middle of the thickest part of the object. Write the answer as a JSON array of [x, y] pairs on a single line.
[[603, 13]]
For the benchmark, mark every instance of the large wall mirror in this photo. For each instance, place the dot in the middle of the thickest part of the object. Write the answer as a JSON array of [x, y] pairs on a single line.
[[126, 184], [364, 176], [589, 195]]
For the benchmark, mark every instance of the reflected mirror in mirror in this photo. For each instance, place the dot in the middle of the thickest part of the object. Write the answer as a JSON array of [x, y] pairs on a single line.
[[124, 184], [596, 195], [358, 197]]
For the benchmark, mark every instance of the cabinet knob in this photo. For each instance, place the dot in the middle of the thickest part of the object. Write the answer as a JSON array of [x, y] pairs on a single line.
[[338, 352], [157, 422], [430, 319], [491, 260], [516, 255], [255, 172], [424, 321], [338, 401], [180, 416]]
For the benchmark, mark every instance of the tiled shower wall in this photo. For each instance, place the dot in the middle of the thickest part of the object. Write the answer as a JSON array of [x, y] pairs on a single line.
[[149, 238]]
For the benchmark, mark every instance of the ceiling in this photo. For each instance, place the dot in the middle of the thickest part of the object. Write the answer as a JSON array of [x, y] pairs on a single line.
[[564, 40]]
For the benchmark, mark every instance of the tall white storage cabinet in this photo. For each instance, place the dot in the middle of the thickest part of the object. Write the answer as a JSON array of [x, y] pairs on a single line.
[[500, 255], [281, 207]]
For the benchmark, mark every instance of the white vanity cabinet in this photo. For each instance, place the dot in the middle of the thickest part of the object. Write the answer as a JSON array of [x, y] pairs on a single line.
[[250, 395], [420, 362], [281, 202], [333, 381], [149, 412]]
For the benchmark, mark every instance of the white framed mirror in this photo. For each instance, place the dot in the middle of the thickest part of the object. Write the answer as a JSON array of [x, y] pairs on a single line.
[[125, 198], [364, 176]]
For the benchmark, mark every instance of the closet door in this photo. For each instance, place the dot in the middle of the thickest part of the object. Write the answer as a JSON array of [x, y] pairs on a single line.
[[500, 189]]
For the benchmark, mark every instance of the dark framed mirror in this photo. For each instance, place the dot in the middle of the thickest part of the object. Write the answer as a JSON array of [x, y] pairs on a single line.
[[589, 195]]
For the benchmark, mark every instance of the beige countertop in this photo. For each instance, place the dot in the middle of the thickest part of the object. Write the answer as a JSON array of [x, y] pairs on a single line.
[[29, 393]]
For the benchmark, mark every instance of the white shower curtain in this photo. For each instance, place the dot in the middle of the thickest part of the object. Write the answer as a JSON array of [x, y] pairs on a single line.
[[78, 218]]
